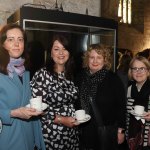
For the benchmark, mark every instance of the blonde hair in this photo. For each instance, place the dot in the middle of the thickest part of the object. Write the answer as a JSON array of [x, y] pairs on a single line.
[[142, 59], [103, 50]]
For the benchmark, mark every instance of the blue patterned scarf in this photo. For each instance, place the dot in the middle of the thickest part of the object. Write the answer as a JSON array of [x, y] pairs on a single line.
[[16, 65]]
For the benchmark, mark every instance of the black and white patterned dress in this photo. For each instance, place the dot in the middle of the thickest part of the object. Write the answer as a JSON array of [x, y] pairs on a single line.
[[60, 94]]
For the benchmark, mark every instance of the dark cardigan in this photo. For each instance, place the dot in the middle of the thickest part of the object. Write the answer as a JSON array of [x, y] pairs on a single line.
[[111, 100], [111, 103]]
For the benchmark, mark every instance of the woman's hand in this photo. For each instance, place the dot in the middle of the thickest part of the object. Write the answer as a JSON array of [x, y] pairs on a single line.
[[24, 113], [121, 136], [65, 120], [146, 116]]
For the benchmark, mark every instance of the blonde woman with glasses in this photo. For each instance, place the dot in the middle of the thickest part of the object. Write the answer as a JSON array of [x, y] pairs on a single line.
[[138, 94]]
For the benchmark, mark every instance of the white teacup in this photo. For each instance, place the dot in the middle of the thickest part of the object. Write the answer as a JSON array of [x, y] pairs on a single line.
[[138, 109], [36, 103], [80, 114]]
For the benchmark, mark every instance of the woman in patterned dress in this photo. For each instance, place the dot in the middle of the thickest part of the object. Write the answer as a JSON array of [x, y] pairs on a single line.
[[54, 84]]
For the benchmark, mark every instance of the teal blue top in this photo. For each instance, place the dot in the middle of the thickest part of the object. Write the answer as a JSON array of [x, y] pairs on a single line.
[[17, 133]]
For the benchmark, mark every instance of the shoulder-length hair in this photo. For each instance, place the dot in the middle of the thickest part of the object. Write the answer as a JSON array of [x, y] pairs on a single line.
[[124, 63], [142, 59], [69, 66], [4, 55], [103, 50]]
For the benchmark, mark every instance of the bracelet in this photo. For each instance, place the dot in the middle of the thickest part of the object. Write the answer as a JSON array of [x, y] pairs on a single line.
[[1, 126], [59, 119]]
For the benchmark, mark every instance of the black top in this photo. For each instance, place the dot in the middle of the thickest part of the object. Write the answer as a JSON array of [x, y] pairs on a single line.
[[110, 101]]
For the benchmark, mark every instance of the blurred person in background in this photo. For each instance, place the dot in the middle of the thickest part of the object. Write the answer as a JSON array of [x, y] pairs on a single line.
[[123, 68]]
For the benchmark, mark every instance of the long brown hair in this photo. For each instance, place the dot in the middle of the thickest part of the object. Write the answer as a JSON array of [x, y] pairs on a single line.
[[69, 66], [4, 55]]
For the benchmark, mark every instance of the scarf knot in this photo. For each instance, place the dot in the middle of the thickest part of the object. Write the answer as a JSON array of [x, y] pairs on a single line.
[[89, 86], [17, 66]]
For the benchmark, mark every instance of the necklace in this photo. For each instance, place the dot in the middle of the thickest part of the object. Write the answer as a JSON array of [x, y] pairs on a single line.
[[139, 86]]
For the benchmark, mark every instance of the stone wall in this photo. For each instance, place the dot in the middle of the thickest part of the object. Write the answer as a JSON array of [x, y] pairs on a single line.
[[7, 7], [109, 8], [146, 38], [76, 6], [132, 36], [135, 37]]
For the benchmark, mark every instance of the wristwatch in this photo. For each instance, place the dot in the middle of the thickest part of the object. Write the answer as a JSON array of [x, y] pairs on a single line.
[[122, 131], [59, 119]]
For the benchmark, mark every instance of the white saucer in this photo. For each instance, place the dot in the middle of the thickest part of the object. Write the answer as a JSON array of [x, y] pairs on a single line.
[[87, 118], [138, 115], [44, 106]]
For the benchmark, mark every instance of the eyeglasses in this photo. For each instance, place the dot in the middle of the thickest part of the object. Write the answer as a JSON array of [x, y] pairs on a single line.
[[141, 69]]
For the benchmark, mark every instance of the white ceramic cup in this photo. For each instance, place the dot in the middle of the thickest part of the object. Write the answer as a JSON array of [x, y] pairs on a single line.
[[36, 103], [139, 109], [80, 114]]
